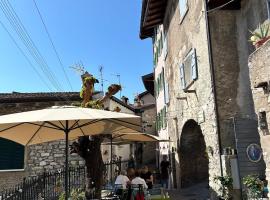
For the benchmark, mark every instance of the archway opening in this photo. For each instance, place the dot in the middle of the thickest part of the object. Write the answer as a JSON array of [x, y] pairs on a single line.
[[193, 156]]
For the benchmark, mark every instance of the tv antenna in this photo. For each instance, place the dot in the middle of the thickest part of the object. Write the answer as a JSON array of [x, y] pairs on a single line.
[[101, 68], [118, 76], [78, 67]]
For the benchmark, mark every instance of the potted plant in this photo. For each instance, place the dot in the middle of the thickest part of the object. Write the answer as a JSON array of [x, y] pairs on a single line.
[[260, 35], [254, 186], [226, 186]]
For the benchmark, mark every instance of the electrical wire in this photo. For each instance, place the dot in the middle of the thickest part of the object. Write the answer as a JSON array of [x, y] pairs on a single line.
[[219, 7], [29, 44], [52, 43], [25, 56], [20, 29]]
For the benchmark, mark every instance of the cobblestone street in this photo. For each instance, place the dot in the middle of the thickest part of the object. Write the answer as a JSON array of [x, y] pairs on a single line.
[[197, 192]]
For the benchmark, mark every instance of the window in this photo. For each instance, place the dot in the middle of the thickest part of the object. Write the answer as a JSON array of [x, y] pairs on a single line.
[[165, 47], [188, 69], [11, 155], [183, 8], [161, 120]]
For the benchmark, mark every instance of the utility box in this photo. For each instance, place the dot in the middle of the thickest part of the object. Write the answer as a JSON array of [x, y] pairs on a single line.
[[230, 168]]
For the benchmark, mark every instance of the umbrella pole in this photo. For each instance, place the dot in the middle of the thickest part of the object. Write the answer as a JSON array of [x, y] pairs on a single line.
[[66, 164], [111, 162]]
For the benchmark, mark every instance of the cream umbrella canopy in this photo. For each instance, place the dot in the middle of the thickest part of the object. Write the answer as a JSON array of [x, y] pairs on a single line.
[[39, 126]]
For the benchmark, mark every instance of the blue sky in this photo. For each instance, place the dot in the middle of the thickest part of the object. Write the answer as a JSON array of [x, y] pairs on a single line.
[[95, 32]]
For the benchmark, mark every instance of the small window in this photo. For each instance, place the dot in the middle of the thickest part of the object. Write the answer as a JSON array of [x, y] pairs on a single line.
[[183, 8], [188, 69], [11, 155]]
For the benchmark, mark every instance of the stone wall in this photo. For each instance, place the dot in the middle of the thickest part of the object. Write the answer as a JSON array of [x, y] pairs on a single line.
[[197, 105], [40, 157], [259, 66], [229, 38], [149, 149]]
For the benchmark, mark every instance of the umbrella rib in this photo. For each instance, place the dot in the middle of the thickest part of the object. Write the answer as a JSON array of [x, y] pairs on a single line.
[[61, 124], [76, 122], [35, 133], [113, 120], [11, 127], [86, 124], [121, 124], [42, 126], [56, 127]]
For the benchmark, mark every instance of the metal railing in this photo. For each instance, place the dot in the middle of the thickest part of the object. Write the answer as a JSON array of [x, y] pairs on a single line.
[[48, 185]]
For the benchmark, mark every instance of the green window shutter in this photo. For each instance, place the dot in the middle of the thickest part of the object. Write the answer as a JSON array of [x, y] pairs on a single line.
[[11, 155], [162, 78], [165, 117]]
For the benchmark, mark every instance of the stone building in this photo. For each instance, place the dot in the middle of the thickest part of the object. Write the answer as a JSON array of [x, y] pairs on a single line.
[[17, 162], [145, 106], [203, 47], [259, 66]]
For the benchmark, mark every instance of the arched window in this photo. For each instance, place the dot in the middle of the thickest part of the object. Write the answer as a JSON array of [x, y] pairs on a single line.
[[11, 155]]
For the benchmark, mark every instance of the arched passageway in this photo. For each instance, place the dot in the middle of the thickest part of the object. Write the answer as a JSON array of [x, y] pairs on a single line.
[[193, 156]]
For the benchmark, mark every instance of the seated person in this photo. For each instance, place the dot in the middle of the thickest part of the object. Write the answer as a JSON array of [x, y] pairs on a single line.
[[147, 176], [138, 180], [122, 179]]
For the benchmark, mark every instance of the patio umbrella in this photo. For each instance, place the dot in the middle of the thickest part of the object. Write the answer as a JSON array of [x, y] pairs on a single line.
[[125, 138], [67, 122]]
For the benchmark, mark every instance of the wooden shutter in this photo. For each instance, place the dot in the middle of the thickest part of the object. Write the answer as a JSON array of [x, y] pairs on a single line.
[[194, 70], [182, 76], [11, 155]]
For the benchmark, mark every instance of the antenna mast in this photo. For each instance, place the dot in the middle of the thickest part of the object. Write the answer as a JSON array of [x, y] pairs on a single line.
[[101, 78]]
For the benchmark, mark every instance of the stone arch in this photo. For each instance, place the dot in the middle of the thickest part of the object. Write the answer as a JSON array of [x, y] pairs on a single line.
[[192, 155]]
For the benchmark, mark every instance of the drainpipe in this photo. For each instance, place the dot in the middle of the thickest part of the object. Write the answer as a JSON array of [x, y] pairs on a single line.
[[213, 81]]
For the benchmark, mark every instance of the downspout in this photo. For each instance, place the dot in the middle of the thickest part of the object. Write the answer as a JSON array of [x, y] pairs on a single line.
[[213, 81]]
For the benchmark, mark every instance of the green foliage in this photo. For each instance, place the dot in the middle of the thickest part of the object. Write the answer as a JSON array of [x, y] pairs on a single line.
[[260, 33], [94, 104], [254, 186], [62, 196], [75, 194], [226, 186], [82, 91]]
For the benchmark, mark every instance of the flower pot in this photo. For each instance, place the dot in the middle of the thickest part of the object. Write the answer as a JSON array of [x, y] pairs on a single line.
[[261, 42]]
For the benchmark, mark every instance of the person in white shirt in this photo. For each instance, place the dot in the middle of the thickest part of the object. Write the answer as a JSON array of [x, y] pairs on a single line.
[[122, 179], [139, 181]]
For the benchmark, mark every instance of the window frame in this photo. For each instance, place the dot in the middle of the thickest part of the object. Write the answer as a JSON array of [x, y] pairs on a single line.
[[182, 15], [193, 69]]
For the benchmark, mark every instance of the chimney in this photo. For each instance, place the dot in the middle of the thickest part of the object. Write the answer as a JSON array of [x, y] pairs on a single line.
[[125, 100]]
